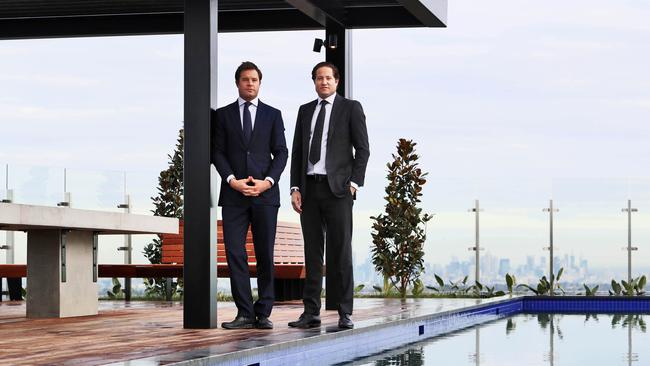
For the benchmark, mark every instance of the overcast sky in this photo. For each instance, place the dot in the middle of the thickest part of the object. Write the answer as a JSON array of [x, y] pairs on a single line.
[[516, 102]]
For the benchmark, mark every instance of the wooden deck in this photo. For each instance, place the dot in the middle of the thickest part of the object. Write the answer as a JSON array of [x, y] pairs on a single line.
[[154, 331]]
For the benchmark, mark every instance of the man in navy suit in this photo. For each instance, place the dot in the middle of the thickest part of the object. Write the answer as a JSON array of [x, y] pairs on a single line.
[[250, 152]]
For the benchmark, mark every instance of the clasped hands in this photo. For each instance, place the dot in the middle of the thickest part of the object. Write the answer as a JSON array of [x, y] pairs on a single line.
[[249, 186]]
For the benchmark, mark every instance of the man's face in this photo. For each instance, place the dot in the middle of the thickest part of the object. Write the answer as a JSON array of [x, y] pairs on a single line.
[[325, 83], [248, 84]]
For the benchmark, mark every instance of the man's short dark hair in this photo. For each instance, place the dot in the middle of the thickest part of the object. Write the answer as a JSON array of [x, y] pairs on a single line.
[[247, 65], [335, 70]]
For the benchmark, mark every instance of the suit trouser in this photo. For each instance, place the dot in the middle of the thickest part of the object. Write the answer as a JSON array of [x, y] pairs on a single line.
[[263, 221], [325, 216]]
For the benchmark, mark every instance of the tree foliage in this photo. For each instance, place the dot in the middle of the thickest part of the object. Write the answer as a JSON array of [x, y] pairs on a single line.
[[400, 232], [168, 203]]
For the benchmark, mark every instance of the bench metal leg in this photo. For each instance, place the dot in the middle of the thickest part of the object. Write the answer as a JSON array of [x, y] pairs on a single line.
[[168, 289], [15, 289], [127, 289]]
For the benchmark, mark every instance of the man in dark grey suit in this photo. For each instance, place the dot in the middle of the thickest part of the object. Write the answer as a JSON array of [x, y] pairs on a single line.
[[328, 164]]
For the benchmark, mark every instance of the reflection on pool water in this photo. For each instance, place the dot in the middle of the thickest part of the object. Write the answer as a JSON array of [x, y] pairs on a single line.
[[533, 339]]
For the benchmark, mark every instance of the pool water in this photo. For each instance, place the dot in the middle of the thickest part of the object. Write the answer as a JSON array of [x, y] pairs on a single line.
[[533, 339]]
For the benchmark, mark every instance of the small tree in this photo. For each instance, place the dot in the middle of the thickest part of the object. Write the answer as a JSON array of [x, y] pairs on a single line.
[[399, 233], [168, 203]]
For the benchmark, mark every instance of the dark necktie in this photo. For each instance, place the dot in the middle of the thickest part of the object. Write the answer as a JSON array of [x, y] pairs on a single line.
[[248, 123], [316, 139]]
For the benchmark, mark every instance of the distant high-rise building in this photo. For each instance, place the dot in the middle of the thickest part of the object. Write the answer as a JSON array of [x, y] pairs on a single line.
[[557, 264], [530, 263], [504, 266]]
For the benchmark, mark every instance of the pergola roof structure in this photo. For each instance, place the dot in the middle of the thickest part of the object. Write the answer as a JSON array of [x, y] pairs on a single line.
[[200, 21], [78, 18]]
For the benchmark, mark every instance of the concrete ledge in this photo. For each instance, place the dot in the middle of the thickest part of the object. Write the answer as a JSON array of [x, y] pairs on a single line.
[[29, 217]]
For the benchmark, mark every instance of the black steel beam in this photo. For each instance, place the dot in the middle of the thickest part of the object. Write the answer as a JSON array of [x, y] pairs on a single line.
[[150, 24], [89, 26], [307, 14], [265, 20], [322, 11], [200, 268]]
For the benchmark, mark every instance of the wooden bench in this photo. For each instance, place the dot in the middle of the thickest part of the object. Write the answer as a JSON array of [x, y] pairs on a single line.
[[289, 257], [289, 261], [15, 273]]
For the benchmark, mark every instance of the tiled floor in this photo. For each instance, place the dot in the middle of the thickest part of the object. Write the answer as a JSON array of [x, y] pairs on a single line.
[[152, 332]]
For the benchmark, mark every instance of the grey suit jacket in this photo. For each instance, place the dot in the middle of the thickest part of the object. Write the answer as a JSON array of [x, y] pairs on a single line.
[[347, 131]]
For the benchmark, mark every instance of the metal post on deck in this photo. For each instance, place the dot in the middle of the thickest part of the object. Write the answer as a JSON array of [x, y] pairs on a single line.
[[550, 211], [629, 247], [200, 98], [128, 243], [66, 195], [14, 285], [477, 248]]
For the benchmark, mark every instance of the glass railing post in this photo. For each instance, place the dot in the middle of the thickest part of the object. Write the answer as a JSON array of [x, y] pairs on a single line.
[[9, 235], [550, 211], [66, 195], [476, 248], [629, 248], [14, 284], [128, 243]]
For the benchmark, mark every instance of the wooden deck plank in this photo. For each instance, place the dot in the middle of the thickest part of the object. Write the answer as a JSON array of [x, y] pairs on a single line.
[[137, 330]]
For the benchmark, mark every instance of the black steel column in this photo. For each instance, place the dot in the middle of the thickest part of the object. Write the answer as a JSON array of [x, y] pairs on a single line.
[[337, 55], [341, 57], [200, 269]]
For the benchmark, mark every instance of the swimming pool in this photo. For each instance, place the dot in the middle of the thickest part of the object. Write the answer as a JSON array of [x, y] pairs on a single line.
[[533, 339], [509, 330]]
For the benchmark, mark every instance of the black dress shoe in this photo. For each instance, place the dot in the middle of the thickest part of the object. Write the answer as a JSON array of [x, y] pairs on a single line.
[[263, 322], [306, 321], [345, 322], [240, 322]]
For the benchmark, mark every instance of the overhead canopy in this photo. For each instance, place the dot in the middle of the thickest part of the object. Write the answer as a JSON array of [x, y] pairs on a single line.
[[199, 21], [79, 18]]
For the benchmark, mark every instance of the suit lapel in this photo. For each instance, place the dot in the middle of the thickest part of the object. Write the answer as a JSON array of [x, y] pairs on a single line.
[[306, 127], [334, 115]]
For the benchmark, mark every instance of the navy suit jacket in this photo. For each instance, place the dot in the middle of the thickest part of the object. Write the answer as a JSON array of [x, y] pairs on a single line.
[[265, 156]]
